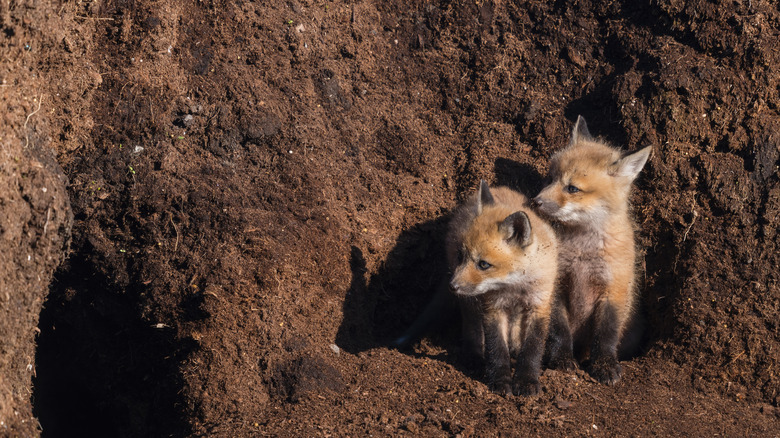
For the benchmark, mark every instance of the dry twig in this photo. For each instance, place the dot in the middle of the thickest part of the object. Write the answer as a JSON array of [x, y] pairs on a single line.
[[27, 136]]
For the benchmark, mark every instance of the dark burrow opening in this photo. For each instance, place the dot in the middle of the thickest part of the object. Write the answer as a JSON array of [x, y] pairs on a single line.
[[101, 369]]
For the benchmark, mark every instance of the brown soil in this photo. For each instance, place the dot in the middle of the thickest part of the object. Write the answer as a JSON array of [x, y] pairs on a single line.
[[35, 214], [260, 193]]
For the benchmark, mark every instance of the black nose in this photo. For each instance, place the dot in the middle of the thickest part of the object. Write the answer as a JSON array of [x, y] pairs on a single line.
[[453, 286], [536, 202]]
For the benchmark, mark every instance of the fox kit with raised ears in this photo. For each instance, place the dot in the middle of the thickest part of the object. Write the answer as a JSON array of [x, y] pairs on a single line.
[[503, 259], [588, 199]]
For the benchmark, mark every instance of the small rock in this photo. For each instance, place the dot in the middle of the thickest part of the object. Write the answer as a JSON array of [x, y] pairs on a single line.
[[410, 419], [68, 44], [575, 57], [412, 427], [335, 348], [561, 403]]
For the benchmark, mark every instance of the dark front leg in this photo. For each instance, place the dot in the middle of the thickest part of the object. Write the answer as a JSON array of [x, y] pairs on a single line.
[[473, 350], [497, 354], [560, 347], [529, 359], [604, 365]]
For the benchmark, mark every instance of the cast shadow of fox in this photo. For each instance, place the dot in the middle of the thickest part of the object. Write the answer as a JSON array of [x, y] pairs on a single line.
[[382, 306], [379, 309]]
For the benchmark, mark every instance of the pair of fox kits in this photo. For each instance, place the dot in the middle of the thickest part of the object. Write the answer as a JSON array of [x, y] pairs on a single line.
[[528, 292]]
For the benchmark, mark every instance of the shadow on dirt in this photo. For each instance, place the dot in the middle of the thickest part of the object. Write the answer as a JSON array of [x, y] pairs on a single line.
[[598, 109], [519, 176], [661, 271], [380, 309], [101, 370]]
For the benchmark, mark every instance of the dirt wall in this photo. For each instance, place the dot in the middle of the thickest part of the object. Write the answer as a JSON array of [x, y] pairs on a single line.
[[260, 191], [35, 214]]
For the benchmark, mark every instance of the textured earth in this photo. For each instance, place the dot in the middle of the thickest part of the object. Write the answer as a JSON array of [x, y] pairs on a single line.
[[250, 200]]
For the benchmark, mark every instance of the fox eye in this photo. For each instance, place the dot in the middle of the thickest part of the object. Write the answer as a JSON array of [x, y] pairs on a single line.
[[571, 189], [483, 265]]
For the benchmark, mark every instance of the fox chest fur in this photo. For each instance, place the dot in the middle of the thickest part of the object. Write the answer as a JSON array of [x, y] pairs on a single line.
[[503, 260], [590, 262], [588, 198]]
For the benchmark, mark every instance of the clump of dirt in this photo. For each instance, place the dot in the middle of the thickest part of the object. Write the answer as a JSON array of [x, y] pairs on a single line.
[[298, 378], [260, 193]]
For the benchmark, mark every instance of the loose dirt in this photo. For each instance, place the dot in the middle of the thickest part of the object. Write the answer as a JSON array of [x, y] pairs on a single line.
[[260, 192]]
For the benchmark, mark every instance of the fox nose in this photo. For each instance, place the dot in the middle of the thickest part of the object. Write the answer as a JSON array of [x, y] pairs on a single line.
[[453, 286], [536, 202]]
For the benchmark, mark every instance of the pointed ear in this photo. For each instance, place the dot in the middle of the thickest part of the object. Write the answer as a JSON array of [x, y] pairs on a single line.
[[484, 198], [580, 131], [517, 229], [630, 165]]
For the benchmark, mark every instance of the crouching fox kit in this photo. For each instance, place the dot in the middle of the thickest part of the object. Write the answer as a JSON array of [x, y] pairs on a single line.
[[503, 259], [588, 199]]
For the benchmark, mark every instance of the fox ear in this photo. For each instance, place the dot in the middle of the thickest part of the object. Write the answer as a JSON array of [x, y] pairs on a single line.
[[517, 229], [630, 165], [580, 131], [485, 198]]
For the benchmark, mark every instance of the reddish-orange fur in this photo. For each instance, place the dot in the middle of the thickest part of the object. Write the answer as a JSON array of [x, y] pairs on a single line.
[[504, 263], [484, 240], [588, 198]]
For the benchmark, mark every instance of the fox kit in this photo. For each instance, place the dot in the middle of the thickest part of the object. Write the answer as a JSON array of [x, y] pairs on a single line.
[[588, 198], [503, 260]]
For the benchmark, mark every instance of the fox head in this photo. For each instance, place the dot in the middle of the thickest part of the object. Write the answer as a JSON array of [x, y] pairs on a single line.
[[494, 246], [590, 180]]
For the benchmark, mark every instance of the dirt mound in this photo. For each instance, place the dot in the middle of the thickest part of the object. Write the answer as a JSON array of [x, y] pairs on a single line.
[[260, 193]]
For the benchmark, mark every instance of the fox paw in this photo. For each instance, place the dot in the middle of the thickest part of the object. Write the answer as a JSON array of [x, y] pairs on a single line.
[[504, 388], [563, 363], [606, 370], [527, 387]]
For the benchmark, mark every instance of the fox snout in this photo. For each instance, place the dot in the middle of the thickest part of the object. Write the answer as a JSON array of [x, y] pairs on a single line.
[[460, 287], [544, 205]]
